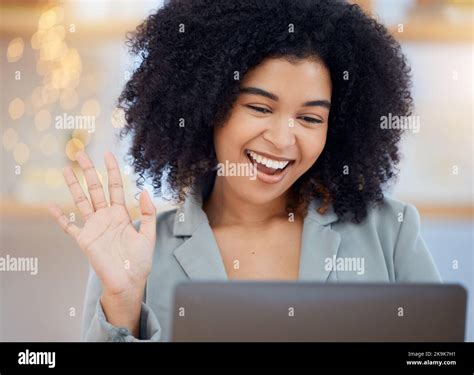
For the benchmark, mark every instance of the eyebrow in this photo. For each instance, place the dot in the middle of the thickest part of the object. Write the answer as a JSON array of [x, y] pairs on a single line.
[[269, 95]]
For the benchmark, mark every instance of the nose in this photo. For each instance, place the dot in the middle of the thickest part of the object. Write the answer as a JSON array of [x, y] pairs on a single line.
[[281, 133]]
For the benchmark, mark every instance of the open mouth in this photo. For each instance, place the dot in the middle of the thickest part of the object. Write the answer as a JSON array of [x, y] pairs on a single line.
[[267, 165]]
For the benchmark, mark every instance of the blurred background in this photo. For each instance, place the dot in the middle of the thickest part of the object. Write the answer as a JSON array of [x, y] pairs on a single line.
[[62, 59]]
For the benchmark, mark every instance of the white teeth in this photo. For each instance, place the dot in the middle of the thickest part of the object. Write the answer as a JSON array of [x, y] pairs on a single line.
[[274, 164]]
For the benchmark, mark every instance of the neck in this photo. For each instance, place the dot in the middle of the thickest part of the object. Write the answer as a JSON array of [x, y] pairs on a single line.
[[223, 207]]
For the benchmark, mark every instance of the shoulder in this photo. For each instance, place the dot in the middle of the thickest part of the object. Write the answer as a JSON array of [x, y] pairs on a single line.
[[390, 218], [165, 220], [385, 217], [388, 224], [392, 229]]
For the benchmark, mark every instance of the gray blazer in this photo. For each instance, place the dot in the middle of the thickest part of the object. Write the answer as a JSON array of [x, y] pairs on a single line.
[[385, 247]]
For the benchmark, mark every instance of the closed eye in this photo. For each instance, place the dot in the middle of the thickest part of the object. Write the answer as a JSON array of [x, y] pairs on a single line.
[[259, 109], [311, 120]]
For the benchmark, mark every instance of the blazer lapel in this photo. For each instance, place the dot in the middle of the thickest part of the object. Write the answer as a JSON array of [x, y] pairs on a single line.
[[198, 255], [319, 242], [200, 258]]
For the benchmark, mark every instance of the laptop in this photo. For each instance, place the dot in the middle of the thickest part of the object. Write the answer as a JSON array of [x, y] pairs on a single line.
[[248, 311]]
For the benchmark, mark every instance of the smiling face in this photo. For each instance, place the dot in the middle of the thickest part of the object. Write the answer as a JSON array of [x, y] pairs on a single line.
[[278, 124]]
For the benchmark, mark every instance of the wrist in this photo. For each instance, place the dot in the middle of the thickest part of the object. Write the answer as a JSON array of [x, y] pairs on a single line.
[[128, 297], [123, 310]]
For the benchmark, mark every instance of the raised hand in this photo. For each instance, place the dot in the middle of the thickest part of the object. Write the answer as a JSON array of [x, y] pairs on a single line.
[[120, 255]]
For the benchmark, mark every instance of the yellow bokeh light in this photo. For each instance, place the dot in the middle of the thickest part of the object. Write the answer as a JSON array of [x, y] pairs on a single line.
[[21, 153], [36, 39], [49, 94], [43, 120], [68, 99], [57, 32], [15, 49], [47, 19], [83, 135], [49, 144], [91, 107], [59, 11], [72, 59], [44, 67], [71, 63], [43, 37], [118, 118], [10, 139], [73, 146], [53, 50], [60, 78], [16, 108]]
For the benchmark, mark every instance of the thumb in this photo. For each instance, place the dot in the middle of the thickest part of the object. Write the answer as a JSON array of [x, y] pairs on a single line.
[[147, 217]]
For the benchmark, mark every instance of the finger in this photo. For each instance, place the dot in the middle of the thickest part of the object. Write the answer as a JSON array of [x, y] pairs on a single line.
[[94, 186], [80, 199], [147, 216], [62, 220], [116, 193]]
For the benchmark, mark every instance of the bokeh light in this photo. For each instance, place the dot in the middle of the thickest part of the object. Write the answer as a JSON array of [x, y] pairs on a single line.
[[118, 118], [73, 146], [10, 139], [49, 94], [47, 19], [91, 107], [15, 49], [21, 153], [16, 108], [82, 135]]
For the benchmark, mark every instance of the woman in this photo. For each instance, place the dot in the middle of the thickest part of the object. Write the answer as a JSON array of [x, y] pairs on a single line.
[[295, 90]]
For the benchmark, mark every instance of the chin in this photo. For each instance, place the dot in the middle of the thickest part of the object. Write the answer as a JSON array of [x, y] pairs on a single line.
[[256, 191]]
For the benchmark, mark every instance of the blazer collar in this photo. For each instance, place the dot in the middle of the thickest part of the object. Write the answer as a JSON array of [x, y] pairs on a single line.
[[200, 257]]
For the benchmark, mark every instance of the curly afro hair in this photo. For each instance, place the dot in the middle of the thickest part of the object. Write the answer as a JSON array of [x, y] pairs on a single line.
[[189, 51]]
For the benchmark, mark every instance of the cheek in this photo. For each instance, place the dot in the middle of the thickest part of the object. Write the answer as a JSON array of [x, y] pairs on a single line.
[[311, 147], [234, 136]]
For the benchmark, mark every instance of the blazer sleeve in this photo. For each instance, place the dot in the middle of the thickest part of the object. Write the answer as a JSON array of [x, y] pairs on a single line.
[[95, 326], [412, 259]]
